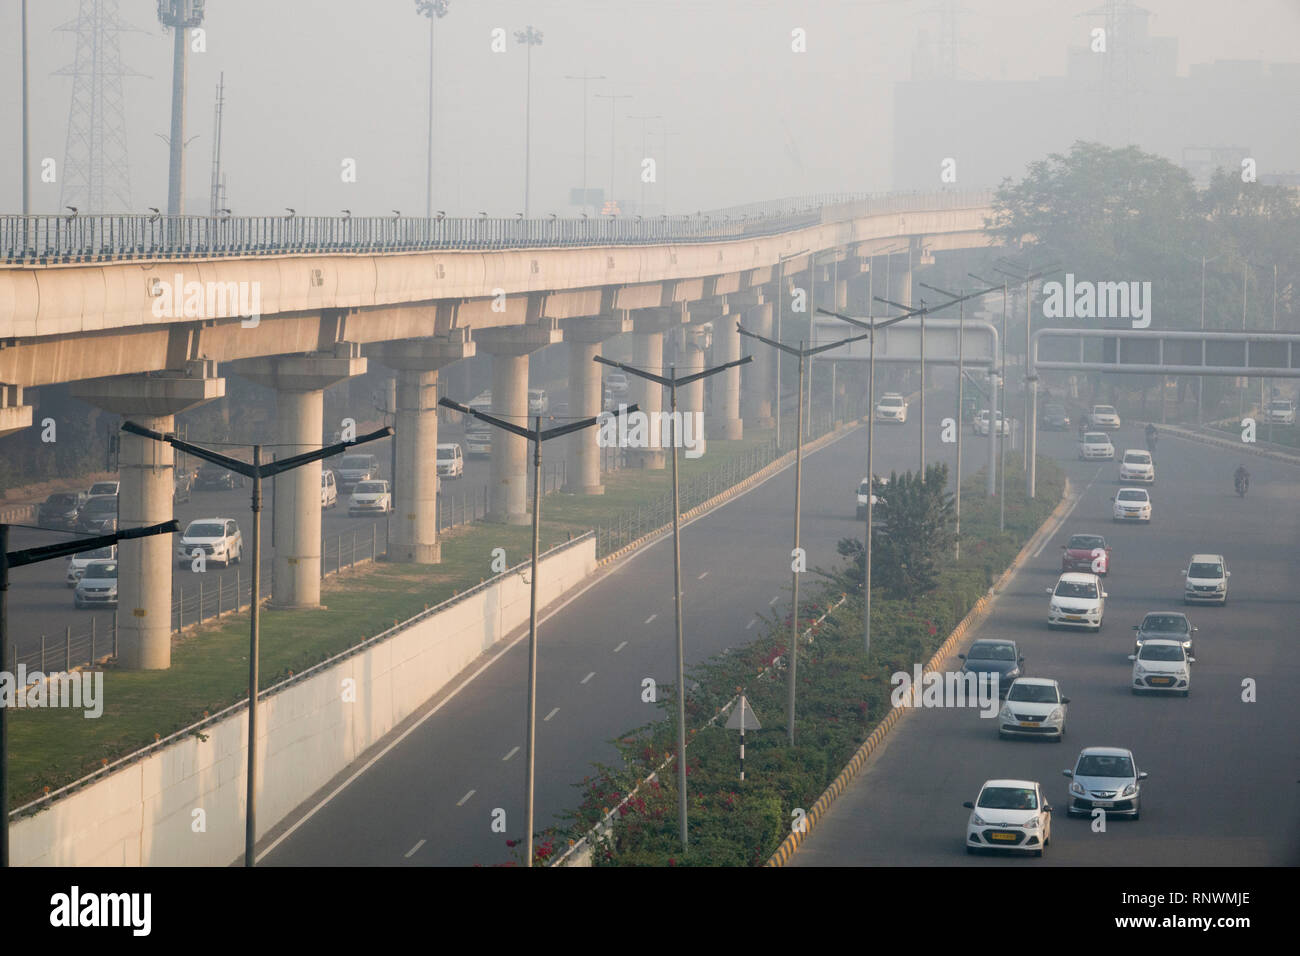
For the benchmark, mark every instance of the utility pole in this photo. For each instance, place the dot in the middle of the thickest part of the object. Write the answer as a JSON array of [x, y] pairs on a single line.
[[671, 382], [584, 77], [644, 118], [530, 38], [434, 10], [180, 15], [26, 146], [613, 102]]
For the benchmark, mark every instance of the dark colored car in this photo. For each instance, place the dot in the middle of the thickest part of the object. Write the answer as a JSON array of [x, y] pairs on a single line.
[[184, 488], [60, 510], [214, 476], [994, 657], [1054, 418], [99, 516], [1165, 626], [1079, 553]]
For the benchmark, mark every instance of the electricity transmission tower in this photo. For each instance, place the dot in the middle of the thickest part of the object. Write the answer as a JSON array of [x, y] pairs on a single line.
[[96, 175]]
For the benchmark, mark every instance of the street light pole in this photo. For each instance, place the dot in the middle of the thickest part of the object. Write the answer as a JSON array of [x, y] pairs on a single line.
[[584, 77], [433, 9], [530, 38], [644, 118], [256, 471], [17, 559], [613, 102], [671, 381]]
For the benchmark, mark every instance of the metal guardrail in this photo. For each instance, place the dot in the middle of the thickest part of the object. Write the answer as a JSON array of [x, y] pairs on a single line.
[[49, 240]]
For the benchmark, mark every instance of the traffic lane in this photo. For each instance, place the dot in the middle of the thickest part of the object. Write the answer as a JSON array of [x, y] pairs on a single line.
[[591, 671], [907, 809]]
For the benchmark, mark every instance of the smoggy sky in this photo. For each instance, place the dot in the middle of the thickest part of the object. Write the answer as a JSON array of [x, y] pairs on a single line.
[[311, 84]]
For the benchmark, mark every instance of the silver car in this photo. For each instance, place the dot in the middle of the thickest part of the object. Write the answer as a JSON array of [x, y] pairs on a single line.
[[98, 585], [1105, 778]]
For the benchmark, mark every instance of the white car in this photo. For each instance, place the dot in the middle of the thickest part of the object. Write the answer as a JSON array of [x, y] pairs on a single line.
[[864, 489], [78, 563], [892, 407], [1096, 446], [616, 382], [538, 402], [218, 539], [1206, 580], [370, 497], [1280, 411], [1009, 815], [1137, 465], [1103, 416], [981, 424], [329, 489], [478, 442], [104, 488], [1034, 708], [98, 585], [1077, 601], [1132, 504], [1105, 777], [1162, 666], [451, 463]]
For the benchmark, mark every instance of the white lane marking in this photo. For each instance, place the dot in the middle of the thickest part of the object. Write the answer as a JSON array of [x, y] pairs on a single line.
[[751, 624], [703, 576], [620, 647], [1048, 537], [587, 678], [551, 714], [461, 801], [600, 577], [411, 852], [651, 618], [513, 751], [774, 600]]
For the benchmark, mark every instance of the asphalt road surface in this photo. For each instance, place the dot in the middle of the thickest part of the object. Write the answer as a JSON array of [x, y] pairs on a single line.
[[1223, 778], [426, 797]]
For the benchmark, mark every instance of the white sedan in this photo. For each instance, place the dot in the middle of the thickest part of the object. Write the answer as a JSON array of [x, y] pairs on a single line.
[[1009, 815], [1137, 466], [1162, 666], [1096, 446], [892, 407], [1132, 504], [370, 497], [1034, 708]]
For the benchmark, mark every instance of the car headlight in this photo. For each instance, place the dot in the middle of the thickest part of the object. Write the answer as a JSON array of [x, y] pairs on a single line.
[[1031, 824], [1131, 789], [1006, 712], [1139, 670], [1077, 787], [977, 820], [1056, 714], [1220, 586], [1055, 608]]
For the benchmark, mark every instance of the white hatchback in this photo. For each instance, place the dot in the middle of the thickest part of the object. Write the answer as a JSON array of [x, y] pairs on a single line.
[[1077, 601], [1096, 446], [1137, 466], [1009, 815], [1103, 416], [1162, 666], [1206, 580], [1132, 504]]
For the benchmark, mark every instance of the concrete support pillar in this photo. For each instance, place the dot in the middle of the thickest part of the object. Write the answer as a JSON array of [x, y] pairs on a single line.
[[415, 484], [14, 415], [300, 382], [144, 583], [690, 398], [648, 353], [757, 378], [726, 420], [841, 296], [583, 337], [510, 348]]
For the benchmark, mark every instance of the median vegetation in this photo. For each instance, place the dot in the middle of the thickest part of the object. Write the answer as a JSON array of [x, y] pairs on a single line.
[[843, 693]]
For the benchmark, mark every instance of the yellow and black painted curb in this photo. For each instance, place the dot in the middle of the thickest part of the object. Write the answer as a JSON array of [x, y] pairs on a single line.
[[976, 614]]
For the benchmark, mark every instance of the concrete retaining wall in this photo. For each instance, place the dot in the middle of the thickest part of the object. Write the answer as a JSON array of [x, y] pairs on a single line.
[[145, 812]]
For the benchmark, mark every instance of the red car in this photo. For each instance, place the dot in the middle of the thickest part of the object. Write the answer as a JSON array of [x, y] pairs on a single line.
[[1086, 552]]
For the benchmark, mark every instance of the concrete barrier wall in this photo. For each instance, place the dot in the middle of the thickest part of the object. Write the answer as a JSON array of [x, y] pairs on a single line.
[[148, 811]]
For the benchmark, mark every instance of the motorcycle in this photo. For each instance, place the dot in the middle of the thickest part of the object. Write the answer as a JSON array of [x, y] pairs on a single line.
[[1241, 483]]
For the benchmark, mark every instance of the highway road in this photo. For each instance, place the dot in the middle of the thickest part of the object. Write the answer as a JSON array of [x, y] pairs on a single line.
[[425, 796], [1223, 778]]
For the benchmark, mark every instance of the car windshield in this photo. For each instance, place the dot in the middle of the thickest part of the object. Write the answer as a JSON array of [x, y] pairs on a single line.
[[1205, 570], [356, 462], [1165, 623], [1076, 589], [1137, 458], [891, 400], [97, 553], [104, 505], [447, 451], [206, 529], [1282, 406], [1034, 693], [1104, 765], [1096, 438], [1086, 542], [212, 470], [1007, 798], [1133, 496], [992, 652], [1104, 410], [481, 434], [61, 501], [104, 488], [371, 488], [100, 569], [1161, 652]]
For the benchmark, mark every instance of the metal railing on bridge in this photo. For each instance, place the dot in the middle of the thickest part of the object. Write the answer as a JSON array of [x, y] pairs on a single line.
[[52, 240]]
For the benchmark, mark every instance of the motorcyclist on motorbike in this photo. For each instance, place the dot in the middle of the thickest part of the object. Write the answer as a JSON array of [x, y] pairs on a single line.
[[1241, 479]]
